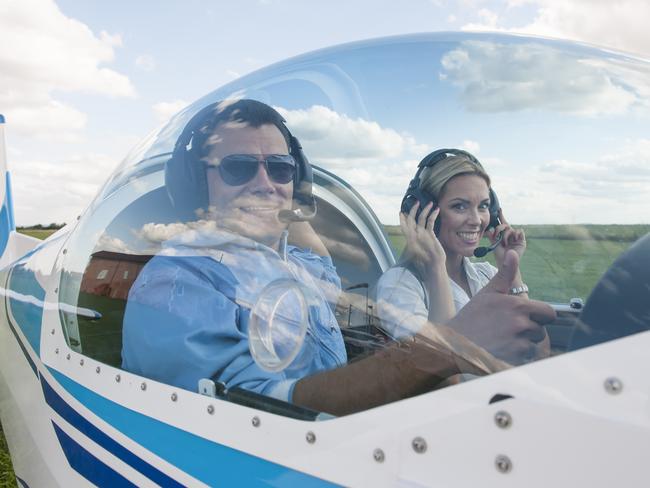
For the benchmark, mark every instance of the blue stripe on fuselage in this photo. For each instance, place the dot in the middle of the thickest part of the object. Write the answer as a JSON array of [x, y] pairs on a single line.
[[21, 482], [23, 348], [210, 462], [6, 216], [74, 418], [27, 314], [87, 465]]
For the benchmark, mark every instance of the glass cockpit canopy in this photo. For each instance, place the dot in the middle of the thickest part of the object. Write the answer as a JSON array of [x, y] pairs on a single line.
[[561, 129]]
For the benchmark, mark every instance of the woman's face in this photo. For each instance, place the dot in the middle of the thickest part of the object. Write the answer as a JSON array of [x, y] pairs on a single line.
[[464, 214]]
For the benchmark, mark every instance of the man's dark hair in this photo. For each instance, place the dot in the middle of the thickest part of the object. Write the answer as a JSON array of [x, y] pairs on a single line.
[[250, 113]]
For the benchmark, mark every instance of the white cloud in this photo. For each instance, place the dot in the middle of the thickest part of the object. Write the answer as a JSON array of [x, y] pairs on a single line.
[[159, 233], [620, 24], [63, 187], [333, 138], [145, 62], [615, 188], [113, 244], [43, 51], [471, 146], [165, 110], [377, 161], [153, 235], [488, 17], [50, 120], [496, 77], [111, 39], [623, 175]]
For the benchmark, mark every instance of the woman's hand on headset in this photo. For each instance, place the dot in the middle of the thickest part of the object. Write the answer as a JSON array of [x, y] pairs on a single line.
[[423, 248], [512, 239]]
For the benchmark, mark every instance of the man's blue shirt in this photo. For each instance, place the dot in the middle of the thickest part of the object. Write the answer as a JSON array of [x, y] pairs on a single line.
[[188, 313]]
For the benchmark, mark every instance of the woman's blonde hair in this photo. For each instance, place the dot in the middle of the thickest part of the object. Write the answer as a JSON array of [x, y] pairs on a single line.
[[434, 178]]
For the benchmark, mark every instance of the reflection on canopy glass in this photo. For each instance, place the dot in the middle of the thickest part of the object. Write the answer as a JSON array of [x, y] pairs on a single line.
[[182, 264]]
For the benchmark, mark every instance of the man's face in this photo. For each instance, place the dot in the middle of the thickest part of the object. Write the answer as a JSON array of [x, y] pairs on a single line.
[[250, 209]]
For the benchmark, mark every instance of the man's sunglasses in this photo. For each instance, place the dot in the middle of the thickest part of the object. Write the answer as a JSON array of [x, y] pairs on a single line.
[[238, 169]]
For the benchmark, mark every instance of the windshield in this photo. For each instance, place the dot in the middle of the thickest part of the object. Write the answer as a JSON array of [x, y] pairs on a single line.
[[321, 219]]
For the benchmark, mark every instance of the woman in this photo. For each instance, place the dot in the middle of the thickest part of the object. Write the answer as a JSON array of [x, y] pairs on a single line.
[[450, 214]]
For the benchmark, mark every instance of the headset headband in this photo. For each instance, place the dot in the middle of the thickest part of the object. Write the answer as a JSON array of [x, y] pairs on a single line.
[[442, 154]]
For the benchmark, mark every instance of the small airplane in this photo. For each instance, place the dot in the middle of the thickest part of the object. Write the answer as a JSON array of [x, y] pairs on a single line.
[[560, 125]]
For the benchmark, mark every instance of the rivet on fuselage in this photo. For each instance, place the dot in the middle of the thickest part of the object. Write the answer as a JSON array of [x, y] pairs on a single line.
[[98, 369], [52, 332], [68, 356], [174, 397], [81, 362], [613, 386], [503, 419], [143, 386], [378, 455], [311, 437], [256, 421], [419, 445], [503, 464], [210, 409], [118, 378]]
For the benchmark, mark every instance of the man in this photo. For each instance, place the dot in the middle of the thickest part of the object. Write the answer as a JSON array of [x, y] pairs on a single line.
[[234, 171], [238, 170]]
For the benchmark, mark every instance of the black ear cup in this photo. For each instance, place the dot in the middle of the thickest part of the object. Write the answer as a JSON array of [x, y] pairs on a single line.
[[413, 192], [407, 203], [184, 174], [304, 178], [494, 209], [412, 197]]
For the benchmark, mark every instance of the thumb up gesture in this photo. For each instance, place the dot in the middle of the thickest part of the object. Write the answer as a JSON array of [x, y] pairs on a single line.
[[509, 327]]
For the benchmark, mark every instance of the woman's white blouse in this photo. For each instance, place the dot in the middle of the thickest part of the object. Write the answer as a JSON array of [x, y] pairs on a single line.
[[403, 301]]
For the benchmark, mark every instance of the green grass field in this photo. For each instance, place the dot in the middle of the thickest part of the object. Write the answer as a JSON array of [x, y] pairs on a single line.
[[38, 233], [7, 479], [561, 262]]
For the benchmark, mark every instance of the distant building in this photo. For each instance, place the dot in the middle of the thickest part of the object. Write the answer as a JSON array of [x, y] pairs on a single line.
[[111, 274]]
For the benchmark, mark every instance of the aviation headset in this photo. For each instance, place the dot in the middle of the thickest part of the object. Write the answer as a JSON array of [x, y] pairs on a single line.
[[416, 194], [185, 171]]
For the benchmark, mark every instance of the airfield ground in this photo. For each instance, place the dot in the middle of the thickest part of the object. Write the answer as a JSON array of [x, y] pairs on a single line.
[[7, 479], [563, 261]]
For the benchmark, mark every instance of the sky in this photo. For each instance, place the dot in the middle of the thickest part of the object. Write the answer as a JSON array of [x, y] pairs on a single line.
[[82, 81]]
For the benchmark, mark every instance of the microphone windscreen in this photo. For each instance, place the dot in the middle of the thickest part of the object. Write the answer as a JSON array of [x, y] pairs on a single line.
[[479, 252]]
